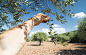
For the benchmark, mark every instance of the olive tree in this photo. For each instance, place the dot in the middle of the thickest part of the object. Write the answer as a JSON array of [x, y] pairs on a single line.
[[82, 29], [39, 36], [17, 9]]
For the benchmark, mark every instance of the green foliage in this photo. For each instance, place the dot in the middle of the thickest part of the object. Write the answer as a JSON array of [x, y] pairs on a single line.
[[50, 36], [16, 8], [75, 39], [72, 37], [28, 39], [59, 38], [64, 44], [64, 37], [82, 29], [39, 36], [68, 36], [77, 36]]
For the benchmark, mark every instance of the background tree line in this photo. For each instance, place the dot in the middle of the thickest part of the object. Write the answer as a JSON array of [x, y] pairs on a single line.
[[77, 36]]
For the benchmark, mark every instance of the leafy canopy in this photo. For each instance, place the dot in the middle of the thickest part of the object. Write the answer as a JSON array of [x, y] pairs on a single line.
[[82, 29], [39, 36], [17, 9]]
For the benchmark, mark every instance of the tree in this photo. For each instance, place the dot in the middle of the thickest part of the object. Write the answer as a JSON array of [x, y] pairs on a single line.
[[82, 29], [17, 10], [28, 39], [40, 36]]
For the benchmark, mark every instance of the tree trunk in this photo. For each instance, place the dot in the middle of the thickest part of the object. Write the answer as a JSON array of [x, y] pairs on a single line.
[[40, 42]]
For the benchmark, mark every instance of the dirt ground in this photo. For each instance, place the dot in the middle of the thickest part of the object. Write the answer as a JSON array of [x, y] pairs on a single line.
[[49, 48]]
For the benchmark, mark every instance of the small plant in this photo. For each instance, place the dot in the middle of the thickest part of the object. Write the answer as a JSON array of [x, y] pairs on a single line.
[[64, 44]]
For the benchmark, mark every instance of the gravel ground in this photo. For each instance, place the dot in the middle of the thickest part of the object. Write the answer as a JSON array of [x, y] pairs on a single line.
[[49, 48]]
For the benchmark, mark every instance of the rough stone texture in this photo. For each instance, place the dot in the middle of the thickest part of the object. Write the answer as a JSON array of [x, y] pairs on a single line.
[[48, 48]]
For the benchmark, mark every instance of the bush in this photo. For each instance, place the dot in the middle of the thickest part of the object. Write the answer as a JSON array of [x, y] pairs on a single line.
[[28, 39], [63, 37], [77, 39], [82, 29]]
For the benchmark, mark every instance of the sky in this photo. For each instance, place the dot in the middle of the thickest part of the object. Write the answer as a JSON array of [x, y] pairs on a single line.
[[79, 9]]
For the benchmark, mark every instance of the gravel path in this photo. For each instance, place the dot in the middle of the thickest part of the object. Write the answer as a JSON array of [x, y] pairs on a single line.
[[48, 48]]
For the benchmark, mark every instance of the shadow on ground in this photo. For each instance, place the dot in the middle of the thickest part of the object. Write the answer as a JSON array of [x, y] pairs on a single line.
[[34, 45], [72, 52], [77, 51], [82, 44]]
